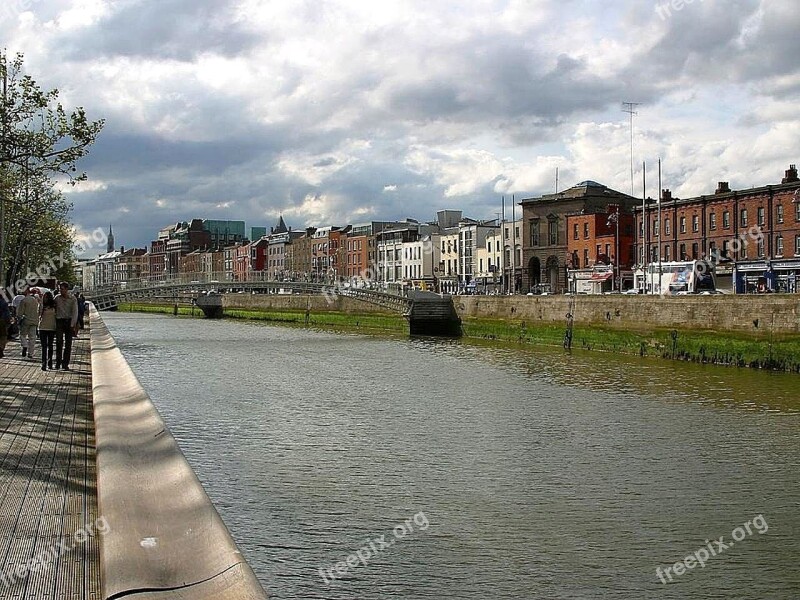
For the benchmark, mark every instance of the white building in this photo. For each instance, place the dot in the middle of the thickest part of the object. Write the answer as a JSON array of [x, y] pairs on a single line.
[[489, 259], [420, 257], [471, 236]]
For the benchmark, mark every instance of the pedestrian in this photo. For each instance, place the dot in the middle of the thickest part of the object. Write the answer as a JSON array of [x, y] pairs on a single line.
[[47, 329], [16, 302], [5, 322], [81, 310], [27, 321], [66, 321]]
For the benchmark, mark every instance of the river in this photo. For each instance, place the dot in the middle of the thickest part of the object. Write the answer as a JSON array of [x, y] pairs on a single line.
[[449, 469]]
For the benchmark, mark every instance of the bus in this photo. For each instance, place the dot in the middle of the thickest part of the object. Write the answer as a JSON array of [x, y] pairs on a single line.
[[678, 278]]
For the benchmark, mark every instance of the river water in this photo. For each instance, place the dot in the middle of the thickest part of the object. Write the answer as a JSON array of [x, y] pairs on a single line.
[[468, 471]]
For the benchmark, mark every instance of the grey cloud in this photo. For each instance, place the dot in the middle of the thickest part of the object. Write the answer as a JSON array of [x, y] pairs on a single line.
[[166, 29]]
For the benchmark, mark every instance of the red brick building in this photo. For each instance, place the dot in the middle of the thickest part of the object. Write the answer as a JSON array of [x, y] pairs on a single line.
[[592, 240], [755, 231]]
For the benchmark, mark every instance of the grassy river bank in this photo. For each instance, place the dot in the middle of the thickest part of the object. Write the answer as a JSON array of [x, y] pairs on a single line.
[[761, 351]]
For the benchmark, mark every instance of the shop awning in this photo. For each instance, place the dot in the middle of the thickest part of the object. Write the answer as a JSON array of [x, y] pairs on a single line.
[[602, 276]]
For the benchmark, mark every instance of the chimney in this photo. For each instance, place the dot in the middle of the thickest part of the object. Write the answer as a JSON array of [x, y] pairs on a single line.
[[666, 195], [122, 249], [791, 175], [723, 187]]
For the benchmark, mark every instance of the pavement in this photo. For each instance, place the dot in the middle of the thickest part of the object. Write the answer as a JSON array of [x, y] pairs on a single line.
[[49, 527]]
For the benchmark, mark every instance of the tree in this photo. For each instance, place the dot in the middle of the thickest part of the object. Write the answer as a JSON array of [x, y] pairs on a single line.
[[38, 138]]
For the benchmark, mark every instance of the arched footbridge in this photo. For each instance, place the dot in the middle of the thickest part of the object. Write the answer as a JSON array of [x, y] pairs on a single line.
[[428, 313]]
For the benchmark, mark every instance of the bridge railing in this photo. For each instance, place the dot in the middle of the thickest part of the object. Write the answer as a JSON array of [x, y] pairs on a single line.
[[225, 279]]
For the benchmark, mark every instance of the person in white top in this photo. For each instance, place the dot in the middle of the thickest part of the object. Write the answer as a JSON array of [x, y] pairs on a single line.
[[15, 303], [27, 321], [66, 321]]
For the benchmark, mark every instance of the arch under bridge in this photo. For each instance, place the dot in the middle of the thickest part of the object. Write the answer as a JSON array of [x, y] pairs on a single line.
[[427, 313]]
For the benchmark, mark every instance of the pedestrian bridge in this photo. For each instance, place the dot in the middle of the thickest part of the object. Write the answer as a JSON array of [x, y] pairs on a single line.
[[185, 293], [427, 313]]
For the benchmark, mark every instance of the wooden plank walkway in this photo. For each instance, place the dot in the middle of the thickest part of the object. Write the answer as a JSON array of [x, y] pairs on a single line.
[[49, 527]]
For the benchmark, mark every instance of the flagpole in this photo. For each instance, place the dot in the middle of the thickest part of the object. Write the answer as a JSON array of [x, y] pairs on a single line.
[[645, 258], [513, 281], [660, 224], [503, 245]]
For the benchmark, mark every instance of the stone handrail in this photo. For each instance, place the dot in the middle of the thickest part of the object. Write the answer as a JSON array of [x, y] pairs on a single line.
[[165, 538]]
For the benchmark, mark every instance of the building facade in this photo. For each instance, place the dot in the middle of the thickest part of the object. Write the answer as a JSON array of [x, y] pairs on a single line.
[[752, 234], [544, 233]]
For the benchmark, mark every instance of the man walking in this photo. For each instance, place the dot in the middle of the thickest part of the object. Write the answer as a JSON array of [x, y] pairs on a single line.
[[66, 320], [27, 320]]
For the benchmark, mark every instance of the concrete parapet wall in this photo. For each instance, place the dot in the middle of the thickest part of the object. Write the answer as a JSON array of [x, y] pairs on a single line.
[[297, 302], [165, 539], [719, 312]]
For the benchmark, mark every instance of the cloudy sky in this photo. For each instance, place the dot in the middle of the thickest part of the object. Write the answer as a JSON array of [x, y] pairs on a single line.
[[337, 111]]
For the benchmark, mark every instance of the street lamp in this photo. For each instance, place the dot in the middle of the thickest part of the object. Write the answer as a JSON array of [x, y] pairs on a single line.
[[614, 218]]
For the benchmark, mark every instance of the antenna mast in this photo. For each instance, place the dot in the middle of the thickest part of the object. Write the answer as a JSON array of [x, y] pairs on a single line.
[[630, 108]]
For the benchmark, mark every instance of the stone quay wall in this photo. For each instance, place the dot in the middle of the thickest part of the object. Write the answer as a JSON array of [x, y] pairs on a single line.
[[757, 314], [299, 303]]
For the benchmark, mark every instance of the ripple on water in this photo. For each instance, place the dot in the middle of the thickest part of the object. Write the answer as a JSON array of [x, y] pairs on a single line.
[[540, 474]]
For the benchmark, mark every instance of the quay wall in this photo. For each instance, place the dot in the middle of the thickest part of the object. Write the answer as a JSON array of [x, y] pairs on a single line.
[[165, 538], [757, 314], [298, 302]]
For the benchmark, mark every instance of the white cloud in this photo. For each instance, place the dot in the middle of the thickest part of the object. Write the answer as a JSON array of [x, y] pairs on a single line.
[[245, 108]]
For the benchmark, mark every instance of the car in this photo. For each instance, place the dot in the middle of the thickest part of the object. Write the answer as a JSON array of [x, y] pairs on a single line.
[[711, 292], [632, 292]]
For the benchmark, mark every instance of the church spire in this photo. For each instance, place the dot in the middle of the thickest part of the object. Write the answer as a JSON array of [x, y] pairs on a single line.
[[110, 245]]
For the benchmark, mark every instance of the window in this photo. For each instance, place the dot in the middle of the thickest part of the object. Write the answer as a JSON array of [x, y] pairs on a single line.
[[683, 226], [779, 213], [666, 226], [608, 251], [797, 211], [575, 231], [779, 245], [666, 253], [655, 227], [695, 223], [506, 232], [760, 247], [683, 252], [725, 248], [597, 253], [586, 258], [516, 233], [695, 251], [534, 233], [743, 217], [552, 232], [726, 220], [760, 215], [586, 231], [712, 221]]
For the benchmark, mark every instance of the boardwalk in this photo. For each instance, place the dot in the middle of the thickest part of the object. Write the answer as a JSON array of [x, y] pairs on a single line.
[[48, 506]]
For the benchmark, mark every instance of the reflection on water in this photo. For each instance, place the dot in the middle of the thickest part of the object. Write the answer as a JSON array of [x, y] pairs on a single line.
[[543, 475]]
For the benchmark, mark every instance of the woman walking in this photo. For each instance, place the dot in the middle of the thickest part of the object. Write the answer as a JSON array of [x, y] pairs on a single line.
[[47, 329]]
